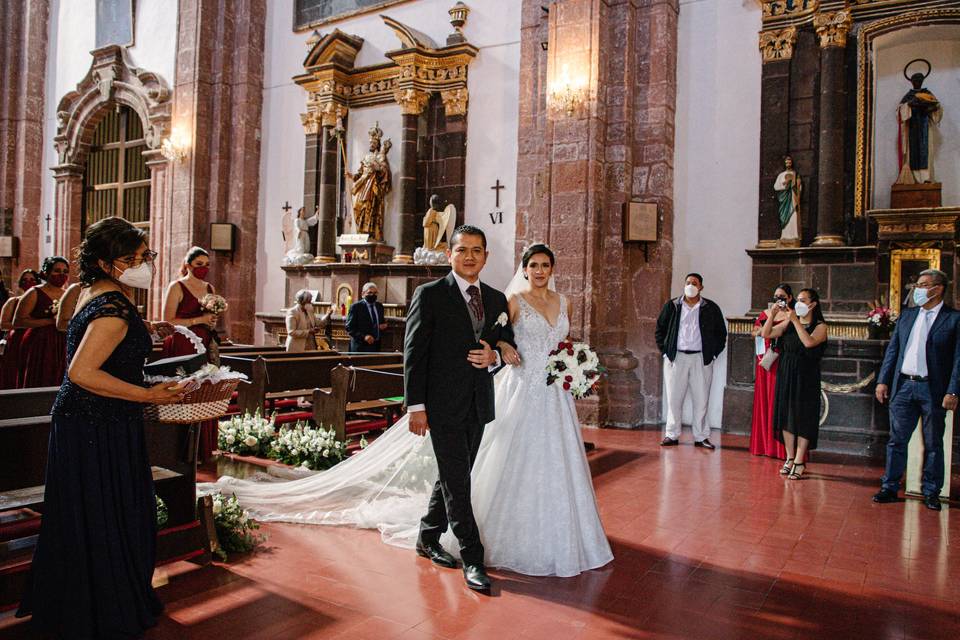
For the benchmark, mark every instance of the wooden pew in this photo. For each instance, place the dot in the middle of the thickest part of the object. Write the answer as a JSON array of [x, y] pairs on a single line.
[[355, 391], [276, 379], [24, 434]]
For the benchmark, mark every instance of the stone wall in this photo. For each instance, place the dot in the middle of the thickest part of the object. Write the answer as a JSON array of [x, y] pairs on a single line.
[[577, 171], [23, 57]]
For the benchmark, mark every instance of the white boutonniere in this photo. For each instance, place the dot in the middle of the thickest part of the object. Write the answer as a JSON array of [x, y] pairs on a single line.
[[502, 320]]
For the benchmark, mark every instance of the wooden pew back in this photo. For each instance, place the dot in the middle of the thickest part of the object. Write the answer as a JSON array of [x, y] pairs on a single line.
[[299, 375], [357, 387]]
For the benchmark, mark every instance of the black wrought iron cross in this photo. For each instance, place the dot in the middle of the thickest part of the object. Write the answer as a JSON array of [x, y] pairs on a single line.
[[497, 187], [48, 219], [286, 206]]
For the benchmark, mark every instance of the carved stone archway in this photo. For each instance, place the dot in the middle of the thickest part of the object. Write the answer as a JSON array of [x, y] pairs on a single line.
[[111, 81]]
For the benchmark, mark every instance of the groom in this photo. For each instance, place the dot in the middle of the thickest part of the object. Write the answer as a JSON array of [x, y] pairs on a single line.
[[450, 355]]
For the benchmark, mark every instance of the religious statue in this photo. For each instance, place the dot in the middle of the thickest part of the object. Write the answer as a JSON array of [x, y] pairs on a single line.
[[300, 253], [438, 225], [916, 110], [371, 184], [788, 187]]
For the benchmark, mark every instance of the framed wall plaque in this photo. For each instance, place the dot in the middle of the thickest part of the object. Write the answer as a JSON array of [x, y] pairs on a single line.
[[640, 222], [222, 236]]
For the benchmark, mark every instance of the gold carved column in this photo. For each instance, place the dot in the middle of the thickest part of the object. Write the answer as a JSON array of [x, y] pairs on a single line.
[[412, 103]]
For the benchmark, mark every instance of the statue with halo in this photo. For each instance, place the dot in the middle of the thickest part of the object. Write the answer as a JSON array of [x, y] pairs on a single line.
[[371, 184]]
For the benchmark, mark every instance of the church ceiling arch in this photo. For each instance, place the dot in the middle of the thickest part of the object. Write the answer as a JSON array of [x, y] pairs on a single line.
[[111, 80]]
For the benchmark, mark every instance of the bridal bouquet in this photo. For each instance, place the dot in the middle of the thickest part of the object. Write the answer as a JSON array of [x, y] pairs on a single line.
[[575, 366], [212, 303]]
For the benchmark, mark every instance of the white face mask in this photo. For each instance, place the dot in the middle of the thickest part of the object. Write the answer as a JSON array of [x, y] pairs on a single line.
[[802, 309], [138, 277], [691, 291]]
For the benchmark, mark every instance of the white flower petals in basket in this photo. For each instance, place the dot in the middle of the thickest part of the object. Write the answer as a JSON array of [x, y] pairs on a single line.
[[208, 393]]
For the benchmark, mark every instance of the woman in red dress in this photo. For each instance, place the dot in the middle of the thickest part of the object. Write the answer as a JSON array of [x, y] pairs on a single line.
[[43, 350], [762, 440], [181, 306], [10, 364]]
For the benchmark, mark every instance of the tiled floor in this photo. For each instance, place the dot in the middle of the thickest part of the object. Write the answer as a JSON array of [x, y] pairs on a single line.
[[708, 545]]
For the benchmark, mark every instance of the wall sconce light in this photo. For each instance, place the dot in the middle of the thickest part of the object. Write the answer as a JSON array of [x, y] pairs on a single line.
[[176, 146], [566, 94]]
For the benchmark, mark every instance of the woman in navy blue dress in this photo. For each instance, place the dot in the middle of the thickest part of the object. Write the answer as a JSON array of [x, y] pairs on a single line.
[[92, 568]]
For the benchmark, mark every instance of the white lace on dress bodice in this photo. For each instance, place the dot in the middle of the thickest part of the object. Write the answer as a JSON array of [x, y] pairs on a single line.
[[536, 338]]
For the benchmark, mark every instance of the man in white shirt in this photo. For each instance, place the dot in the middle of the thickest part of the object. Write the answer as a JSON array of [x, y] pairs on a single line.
[[921, 377], [691, 333]]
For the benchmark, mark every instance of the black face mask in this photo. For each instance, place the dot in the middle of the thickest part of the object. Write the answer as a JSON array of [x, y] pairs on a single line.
[[370, 297]]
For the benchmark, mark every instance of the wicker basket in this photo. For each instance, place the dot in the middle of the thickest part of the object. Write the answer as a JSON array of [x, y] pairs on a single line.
[[209, 402]]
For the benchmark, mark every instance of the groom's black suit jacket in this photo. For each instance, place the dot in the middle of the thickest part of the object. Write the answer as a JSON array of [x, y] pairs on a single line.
[[439, 334]]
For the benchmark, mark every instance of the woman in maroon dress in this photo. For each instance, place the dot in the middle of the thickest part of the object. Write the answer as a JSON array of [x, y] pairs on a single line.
[[10, 364], [181, 306], [43, 350], [762, 440]]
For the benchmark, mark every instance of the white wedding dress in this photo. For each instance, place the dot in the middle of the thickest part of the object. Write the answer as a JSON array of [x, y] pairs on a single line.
[[532, 493]]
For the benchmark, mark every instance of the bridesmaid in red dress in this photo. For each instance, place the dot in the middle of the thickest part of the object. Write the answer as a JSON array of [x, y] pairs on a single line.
[[10, 364], [181, 306], [43, 350], [762, 440]]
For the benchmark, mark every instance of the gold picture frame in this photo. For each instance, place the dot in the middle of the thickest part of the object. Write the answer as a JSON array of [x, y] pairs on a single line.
[[906, 264]]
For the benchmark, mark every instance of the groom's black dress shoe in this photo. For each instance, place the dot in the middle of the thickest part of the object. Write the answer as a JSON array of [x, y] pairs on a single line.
[[705, 443], [932, 502], [476, 577], [669, 442], [885, 496], [437, 555]]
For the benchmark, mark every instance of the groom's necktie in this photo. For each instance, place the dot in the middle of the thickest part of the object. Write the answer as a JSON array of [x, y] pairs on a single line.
[[476, 306]]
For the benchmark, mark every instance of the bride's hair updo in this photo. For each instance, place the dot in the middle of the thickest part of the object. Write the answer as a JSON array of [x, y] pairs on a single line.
[[533, 250]]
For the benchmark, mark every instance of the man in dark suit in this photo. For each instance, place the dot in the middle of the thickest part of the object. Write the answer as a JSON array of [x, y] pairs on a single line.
[[365, 321], [921, 376], [451, 351]]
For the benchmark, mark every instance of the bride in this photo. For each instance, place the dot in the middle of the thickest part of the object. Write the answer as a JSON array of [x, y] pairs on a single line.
[[532, 493]]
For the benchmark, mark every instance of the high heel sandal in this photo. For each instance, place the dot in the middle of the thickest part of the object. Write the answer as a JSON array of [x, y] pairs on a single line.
[[787, 467], [793, 473]]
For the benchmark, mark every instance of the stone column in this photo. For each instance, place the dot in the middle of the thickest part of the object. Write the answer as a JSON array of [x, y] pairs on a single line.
[[776, 47], [327, 186], [160, 213], [832, 29], [68, 207], [412, 102], [312, 166]]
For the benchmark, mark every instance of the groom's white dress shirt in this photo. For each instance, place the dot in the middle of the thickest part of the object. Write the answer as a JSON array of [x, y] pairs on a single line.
[[464, 285]]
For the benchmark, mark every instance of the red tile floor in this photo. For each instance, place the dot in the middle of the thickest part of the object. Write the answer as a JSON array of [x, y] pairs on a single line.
[[708, 545]]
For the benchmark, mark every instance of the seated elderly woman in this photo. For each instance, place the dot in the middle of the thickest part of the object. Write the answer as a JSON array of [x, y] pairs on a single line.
[[303, 326]]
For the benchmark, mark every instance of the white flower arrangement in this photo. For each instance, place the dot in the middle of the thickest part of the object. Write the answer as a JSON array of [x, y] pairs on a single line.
[[235, 527], [576, 367], [247, 435], [309, 447]]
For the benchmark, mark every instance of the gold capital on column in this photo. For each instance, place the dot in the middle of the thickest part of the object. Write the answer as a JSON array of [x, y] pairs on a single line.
[[455, 101], [778, 44], [411, 101], [832, 28], [331, 112], [312, 121]]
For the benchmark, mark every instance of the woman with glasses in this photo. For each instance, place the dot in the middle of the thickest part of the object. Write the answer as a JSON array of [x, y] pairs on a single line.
[[10, 364], [181, 306], [43, 349], [762, 440], [92, 567], [796, 404]]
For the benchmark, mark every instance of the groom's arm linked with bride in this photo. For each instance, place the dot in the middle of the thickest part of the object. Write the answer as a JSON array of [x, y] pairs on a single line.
[[451, 351]]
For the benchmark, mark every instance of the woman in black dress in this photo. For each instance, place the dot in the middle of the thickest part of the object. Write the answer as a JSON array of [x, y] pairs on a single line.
[[796, 405], [92, 568]]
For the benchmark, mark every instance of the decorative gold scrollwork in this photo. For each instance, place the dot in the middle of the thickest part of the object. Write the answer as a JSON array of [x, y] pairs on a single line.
[[778, 44]]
